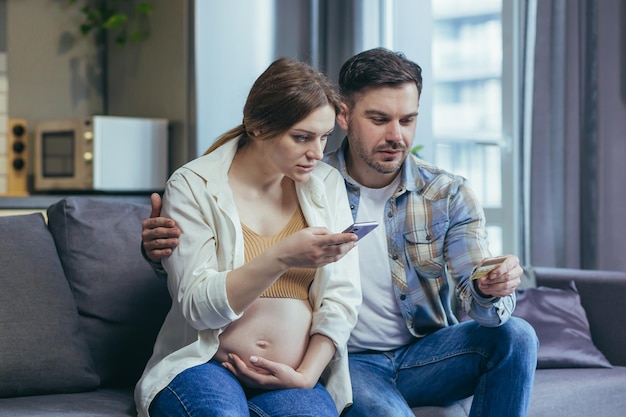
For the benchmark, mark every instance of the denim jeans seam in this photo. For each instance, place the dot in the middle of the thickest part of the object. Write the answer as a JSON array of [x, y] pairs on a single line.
[[478, 405], [259, 412], [444, 357], [180, 401]]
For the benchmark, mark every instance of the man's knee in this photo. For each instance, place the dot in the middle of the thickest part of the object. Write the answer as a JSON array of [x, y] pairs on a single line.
[[519, 341], [521, 334]]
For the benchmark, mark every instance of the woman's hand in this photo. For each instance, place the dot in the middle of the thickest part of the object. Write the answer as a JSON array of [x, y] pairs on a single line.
[[266, 374], [313, 247]]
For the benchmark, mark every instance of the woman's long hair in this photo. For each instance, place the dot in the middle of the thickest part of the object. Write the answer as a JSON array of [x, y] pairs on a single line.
[[286, 92]]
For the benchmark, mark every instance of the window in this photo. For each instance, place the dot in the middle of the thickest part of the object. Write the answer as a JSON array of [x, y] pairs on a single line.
[[466, 50]]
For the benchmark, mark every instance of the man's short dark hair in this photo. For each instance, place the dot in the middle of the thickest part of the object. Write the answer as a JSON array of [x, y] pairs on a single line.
[[378, 67]]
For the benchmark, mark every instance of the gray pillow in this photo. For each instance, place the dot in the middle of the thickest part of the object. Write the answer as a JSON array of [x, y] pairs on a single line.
[[42, 350], [562, 327], [120, 300]]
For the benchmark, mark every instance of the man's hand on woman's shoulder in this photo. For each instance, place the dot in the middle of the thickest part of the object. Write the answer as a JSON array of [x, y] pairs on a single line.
[[159, 235]]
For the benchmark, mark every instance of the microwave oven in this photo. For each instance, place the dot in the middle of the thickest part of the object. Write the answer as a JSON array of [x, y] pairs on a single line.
[[101, 153]]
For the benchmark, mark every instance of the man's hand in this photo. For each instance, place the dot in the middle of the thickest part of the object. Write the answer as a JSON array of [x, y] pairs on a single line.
[[265, 374], [159, 234], [503, 280]]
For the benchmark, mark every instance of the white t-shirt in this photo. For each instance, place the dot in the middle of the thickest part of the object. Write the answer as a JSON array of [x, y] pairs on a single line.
[[380, 325]]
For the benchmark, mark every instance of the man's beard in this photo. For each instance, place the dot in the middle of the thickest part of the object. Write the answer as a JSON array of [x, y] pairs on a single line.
[[369, 158]]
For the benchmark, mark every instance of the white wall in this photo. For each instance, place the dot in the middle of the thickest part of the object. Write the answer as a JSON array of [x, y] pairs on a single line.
[[234, 44], [412, 33]]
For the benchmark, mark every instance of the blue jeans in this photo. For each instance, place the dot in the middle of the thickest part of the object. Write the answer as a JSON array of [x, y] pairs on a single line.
[[211, 390], [496, 365]]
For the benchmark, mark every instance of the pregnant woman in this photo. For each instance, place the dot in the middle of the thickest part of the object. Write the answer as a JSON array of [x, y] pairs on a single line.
[[264, 290]]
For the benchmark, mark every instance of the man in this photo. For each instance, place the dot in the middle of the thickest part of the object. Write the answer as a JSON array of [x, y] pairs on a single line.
[[408, 348]]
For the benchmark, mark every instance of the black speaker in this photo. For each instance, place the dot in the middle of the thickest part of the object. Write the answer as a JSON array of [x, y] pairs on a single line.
[[17, 157]]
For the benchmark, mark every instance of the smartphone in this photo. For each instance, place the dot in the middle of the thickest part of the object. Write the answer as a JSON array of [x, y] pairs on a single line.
[[361, 228]]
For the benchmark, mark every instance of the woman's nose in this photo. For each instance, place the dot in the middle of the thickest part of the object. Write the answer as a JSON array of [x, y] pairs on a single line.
[[316, 150]]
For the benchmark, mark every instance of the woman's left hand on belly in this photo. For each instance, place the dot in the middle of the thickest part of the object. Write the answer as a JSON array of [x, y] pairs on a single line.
[[264, 374]]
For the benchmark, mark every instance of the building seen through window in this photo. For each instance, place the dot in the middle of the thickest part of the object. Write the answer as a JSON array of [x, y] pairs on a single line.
[[467, 98]]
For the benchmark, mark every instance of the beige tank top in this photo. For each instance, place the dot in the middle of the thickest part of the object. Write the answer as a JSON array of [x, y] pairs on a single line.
[[296, 281]]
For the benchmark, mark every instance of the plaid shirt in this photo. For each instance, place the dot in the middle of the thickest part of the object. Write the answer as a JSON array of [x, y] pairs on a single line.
[[435, 236]]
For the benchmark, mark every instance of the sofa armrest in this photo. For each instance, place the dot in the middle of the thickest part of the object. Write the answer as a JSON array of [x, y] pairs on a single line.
[[603, 296]]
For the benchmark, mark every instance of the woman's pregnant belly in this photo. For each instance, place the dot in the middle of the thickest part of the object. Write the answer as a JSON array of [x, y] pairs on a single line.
[[276, 329]]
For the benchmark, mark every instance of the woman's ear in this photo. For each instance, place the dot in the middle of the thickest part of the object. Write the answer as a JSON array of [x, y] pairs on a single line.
[[344, 116]]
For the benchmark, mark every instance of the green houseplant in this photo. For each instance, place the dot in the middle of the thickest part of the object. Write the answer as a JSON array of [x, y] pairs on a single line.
[[121, 20]]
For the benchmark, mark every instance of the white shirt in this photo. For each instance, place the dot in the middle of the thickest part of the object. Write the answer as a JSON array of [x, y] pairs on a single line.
[[380, 325], [198, 198]]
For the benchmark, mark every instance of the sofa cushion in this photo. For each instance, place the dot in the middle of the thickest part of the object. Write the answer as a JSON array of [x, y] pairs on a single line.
[[120, 300], [42, 350], [562, 327], [105, 402], [528, 278], [577, 392]]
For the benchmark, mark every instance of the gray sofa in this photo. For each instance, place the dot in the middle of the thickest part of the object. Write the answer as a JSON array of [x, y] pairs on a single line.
[[80, 308]]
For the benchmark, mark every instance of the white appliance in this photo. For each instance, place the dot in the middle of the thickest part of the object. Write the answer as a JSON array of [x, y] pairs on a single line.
[[101, 153]]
